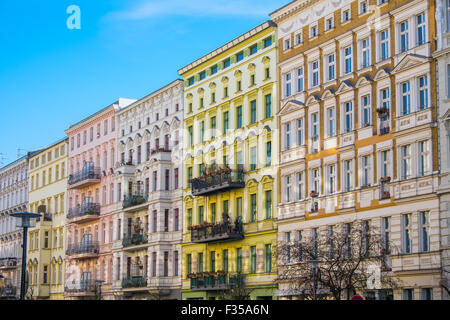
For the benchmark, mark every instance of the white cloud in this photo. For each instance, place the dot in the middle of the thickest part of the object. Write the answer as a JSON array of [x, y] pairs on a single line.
[[157, 8]]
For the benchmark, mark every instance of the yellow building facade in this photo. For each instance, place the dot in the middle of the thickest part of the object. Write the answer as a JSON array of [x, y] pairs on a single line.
[[46, 247], [230, 103]]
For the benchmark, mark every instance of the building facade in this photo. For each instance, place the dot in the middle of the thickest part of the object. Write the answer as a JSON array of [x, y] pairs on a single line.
[[46, 245], [148, 208], [442, 56], [358, 130], [13, 198], [89, 220], [230, 184]]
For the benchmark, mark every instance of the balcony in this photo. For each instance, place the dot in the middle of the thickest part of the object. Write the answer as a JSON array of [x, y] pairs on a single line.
[[220, 280], [134, 200], [161, 149], [83, 288], [8, 292], [219, 232], [383, 118], [384, 188], [88, 176], [134, 282], [83, 213], [8, 263], [134, 240], [219, 180], [84, 250]]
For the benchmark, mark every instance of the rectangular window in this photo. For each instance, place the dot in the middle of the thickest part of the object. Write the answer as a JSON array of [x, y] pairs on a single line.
[[331, 121], [189, 263], [421, 29], [300, 79], [225, 122], [166, 220], [385, 231], [253, 207], [239, 259], [384, 45], [226, 63], [268, 105], [384, 163], [213, 213], [300, 187], [423, 158], [315, 181], [267, 42], [239, 117], [424, 231], [191, 136], [315, 73], [239, 56], [268, 260], [365, 50], [253, 259], [225, 260], [300, 134], [45, 276], [212, 261], [406, 161], [175, 263], [331, 67], [288, 188], [252, 158], [365, 165], [287, 85], [366, 111], [166, 263], [331, 188], [423, 93], [347, 60], [268, 204], [408, 294], [313, 31], [201, 217], [406, 233], [404, 36], [347, 175], [426, 293], [348, 117], [213, 127], [46, 239], [287, 130], [253, 111], [189, 217]]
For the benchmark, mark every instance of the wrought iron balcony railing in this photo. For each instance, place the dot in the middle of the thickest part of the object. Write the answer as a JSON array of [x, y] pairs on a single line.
[[134, 199], [88, 209], [8, 291], [90, 247], [88, 286], [134, 282], [92, 173], [384, 188], [224, 231], [8, 263], [220, 280], [160, 149], [134, 240], [218, 181]]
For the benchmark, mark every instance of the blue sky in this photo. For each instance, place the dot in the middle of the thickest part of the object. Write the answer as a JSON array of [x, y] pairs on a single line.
[[51, 76]]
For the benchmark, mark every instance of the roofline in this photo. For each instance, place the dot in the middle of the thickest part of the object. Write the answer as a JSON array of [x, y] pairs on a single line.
[[50, 146], [279, 9], [73, 126], [25, 157], [263, 26], [139, 101]]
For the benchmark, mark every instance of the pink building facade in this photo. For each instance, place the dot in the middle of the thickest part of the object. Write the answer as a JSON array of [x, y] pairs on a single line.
[[89, 228]]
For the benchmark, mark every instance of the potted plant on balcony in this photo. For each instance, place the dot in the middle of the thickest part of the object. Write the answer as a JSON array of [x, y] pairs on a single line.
[[385, 179], [313, 194], [140, 200], [382, 110], [386, 194], [192, 275], [221, 273]]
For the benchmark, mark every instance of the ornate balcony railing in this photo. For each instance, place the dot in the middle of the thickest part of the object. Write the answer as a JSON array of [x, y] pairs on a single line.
[[90, 247], [134, 199], [92, 173], [160, 149], [88, 286], [8, 263], [88, 209], [139, 281], [134, 240], [224, 231], [383, 118], [8, 291], [384, 188], [220, 280], [218, 181]]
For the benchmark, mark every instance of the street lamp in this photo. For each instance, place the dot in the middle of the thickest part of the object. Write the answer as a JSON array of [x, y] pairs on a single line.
[[24, 220]]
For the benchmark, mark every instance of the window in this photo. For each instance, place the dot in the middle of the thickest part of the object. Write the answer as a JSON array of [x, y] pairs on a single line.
[[225, 122], [240, 56], [421, 30], [46, 239], [315, 181], [202, 75], [268, 204], [315, 74], [191, 81], [45, 278], [287, 44], [347, 60], [365, 165], [423, 158], [315, 126], [384, 45], [406, 233], [385, 233], [426, 293], [366, 111], [331, 65], [424, 231], [202, 131], [253, 49], [252, 158], [225, 260], [298, 38], [253, 259], [268, 105], [345, 15], [300, 79], [189, 217], [423, 92], [191, 136], [404, 35], [212, 261], [331, 122], [405, 161], [213, 127], [214, 69], [328, 23], [300, 187], [225, 92], [365, 50], [385, 163], [287, 85], [239, 259], [268, 153], [408, 294], [253, 111], [268, 260], [348, 117], [267, 72], [176, 220], [313, 31], [331, 187], [347, 175], [190, 107], [300, 134], [238, 86], [267, 42], [226, 63], [363, 6], [252, 79], [253, 207]]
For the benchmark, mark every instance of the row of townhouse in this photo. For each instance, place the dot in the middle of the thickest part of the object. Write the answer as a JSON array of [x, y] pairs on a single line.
[[329, 113]]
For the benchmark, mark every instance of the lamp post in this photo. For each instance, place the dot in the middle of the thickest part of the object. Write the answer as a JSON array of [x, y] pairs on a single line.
[[24, 220]]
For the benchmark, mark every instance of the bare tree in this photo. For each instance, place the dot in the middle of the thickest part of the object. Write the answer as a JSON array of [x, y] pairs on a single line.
[[343, 259], [237, 291]]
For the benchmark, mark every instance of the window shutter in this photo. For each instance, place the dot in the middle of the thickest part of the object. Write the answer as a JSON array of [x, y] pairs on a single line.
[[220, 66], [233, 59], [246, 52], [197, 78], [273, 38], [259, 45], [186, 83], [208, 72]]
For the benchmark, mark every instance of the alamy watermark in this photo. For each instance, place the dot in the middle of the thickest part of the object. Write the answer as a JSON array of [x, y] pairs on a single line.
[[74, 20]]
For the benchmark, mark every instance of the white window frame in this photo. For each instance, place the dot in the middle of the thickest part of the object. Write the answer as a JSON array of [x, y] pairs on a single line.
[[300, 186], [331, 119], [343, 14], [406, 230], [300, 80], [287, 79], [331, 179], [287, 131], [347, 57], [406, 161], [385, 42], [300, 136], [298, 38], [366, 170], [366, 108], [345, 113], [423, 150], [313, 27], [406, 35], [424, 230], [330, 65], [347, 172], [361, 6], [426, 89], [421, 28], [365, 51], [327, 27], [315, 71]]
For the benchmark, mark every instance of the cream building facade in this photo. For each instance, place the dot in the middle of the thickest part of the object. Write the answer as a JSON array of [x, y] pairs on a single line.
[[358, 130], [148, 202], [46, 247]]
